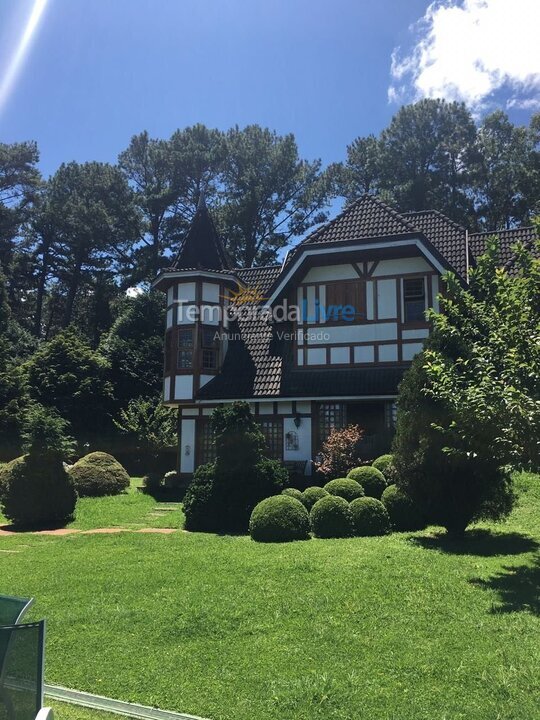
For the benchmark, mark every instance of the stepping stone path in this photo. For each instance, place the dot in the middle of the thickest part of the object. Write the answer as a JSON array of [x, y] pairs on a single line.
[[5, 531]]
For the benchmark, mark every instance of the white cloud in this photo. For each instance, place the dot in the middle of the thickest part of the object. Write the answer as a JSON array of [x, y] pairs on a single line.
[[469, 50]]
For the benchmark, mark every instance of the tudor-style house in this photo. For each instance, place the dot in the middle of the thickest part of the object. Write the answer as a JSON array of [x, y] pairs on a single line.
[[317, 342]]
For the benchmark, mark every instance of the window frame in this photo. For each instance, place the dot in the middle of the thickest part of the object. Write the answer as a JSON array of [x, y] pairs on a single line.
[[187, 350], [416, 319], [275, 438], [210, 349], [358, 300]]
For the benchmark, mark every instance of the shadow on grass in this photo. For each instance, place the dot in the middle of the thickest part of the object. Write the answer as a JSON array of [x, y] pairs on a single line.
[[517, 587], [484, 543]]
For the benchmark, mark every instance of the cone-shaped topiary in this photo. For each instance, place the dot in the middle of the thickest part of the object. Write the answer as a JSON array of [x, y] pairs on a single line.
[[345, 488], [371, 479], [99, 474], [279, 518], [384, 463], [312, 494], [331, 517], [369, 517], [292, 492], [404, 514]]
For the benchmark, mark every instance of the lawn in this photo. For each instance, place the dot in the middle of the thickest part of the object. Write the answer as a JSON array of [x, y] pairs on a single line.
[[406, 627]]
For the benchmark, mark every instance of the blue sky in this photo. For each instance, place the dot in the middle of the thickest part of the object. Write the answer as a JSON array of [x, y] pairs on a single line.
[[98, 71]]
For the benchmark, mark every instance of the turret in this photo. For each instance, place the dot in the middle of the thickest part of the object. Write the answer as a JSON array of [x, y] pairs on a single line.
[[197, 288]]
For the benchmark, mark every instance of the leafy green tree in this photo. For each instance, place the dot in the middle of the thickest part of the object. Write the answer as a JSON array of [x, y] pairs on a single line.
[[97, 223], [134, 348], [19, 178], [66, 374], [269, 194], [149, 429], [423, 160], [507, 180], [469, 407], [168, 177], [363, 169], [13, 395], [224, 493]]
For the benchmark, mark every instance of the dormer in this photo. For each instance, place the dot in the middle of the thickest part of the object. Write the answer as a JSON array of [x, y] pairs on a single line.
[[197, 286]]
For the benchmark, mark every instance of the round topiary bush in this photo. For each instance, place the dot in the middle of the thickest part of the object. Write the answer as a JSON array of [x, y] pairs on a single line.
[[404, 515], [345, 487], [371, 479], [331, 517], [292, 492], [384, 463], [280, 518], [99, 474], [37, 492], [369, 517], [312, 494]]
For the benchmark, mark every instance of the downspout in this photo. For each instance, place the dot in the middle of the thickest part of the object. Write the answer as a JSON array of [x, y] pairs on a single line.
[[467, 256]]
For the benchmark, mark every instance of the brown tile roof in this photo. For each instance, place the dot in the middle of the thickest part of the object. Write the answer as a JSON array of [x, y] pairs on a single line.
[[507, 240], [444, 234], [367, 217]]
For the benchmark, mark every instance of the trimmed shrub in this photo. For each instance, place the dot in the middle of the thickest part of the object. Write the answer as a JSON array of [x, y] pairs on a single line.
[[99, 474], [200, 506], [38, 492], [280, 518], [404, 515], [312, 494], [292, 492], [384, 464], [369, 517], [331, 517], [345, 488], [371, 479]]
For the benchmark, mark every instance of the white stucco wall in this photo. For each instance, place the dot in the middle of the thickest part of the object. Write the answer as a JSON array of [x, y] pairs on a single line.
[[304, 439], [183, 387]]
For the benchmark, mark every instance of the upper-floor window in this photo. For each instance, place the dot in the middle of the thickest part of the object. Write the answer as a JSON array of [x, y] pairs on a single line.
[[210, 348], [414, 300], [345, 301], [185, 349]]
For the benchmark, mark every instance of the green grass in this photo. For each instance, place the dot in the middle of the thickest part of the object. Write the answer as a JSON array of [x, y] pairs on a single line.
[[405, 627], [132, 510]]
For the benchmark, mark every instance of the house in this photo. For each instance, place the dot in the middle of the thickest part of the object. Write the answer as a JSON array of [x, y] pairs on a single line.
[[316, 342]]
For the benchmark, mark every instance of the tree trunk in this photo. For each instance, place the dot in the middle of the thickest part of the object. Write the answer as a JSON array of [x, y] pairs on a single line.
[[72, 293], [42, 280]]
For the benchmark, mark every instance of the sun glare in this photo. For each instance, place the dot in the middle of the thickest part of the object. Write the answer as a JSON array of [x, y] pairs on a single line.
[[8, 76]]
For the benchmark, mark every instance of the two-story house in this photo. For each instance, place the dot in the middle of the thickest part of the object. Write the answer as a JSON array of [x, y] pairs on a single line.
[[317, 342]]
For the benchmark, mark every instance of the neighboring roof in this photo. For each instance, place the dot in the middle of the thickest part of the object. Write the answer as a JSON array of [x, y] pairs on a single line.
[[507, 240], [367, 217], [444, 234], [202, 247]]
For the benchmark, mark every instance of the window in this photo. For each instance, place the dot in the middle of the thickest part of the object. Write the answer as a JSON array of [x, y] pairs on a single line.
[[414, 300], [331, 417], [205, 442], [168, 351], [185, 349], [210, 348], [273, 434], [345, 301]]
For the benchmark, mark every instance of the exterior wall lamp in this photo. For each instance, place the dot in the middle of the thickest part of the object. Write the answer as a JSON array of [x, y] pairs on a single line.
[[297, 420]]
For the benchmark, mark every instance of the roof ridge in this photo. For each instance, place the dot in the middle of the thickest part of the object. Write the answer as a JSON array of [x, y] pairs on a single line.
[[396, 215], [496, 232], [436, 212]]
